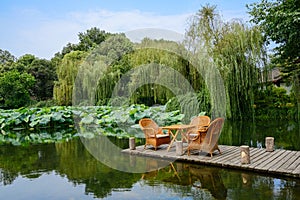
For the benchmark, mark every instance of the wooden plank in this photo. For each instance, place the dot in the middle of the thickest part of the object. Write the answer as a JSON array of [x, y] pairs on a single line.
[[265, 157], [254, 152], [276, 161], [225, 155], [293, 165], [233, 156], [268, 157], [296, 171], [283, 161], [285, 167], [236, 158], [225, 148], [259, 153]]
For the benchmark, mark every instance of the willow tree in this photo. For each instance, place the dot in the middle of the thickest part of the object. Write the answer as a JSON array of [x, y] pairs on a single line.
[[101, 70], [240, 55], [113, 53], [67, 71], [158, 54], [235, 49]]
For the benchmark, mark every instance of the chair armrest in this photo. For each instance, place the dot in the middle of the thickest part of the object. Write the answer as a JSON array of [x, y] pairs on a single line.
[[192, 135]]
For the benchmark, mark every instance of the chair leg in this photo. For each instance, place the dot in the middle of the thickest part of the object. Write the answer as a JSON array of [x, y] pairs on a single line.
[[219, 150]]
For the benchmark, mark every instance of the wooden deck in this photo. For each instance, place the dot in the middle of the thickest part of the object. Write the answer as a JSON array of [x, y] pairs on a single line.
[[280, 162]]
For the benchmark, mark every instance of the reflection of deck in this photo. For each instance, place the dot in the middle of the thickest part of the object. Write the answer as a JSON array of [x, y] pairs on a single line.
[[282, 162]]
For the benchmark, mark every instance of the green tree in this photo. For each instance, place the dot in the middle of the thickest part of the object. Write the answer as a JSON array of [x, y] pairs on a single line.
[[87, 41], [154, 54], [43, 72], [6, 57], [6, 60], [91, 38], [66, 74], [237, 51], [23, 63], [103, 68], [14, 89], [45, 75], [280, 22]]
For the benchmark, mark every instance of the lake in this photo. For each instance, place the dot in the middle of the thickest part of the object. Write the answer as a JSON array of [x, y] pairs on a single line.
[[67, 170]]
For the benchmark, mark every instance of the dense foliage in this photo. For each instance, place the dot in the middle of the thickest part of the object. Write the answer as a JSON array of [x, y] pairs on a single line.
[[32, 125], [237, 51], [66, 73], [14, 89], [108, 69], [280, 21], [274, 102]]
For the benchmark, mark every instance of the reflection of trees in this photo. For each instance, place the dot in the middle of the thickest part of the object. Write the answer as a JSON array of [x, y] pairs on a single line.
[[198, 181], [214, 183], [208, 178], [68, 159], [81, 167], [286, 134], [71, 159], [253, 186], [26, 161]]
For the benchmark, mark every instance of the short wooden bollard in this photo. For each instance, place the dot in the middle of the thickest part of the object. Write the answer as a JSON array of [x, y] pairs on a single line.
[[245, 154], [179, 148], [132, 143], [269, 144]]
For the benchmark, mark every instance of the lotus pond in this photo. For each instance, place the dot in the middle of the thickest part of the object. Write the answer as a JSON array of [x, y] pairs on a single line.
[[65, 169]]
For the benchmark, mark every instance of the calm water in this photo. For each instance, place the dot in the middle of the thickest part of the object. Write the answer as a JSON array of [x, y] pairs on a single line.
[[68, 171]]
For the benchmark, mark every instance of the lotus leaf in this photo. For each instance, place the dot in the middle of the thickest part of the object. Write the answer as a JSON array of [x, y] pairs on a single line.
[[87, 120]]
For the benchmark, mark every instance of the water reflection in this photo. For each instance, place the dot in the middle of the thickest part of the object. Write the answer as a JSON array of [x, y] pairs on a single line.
[[194, 176], [111, 155], [72, 162], [286, 134]]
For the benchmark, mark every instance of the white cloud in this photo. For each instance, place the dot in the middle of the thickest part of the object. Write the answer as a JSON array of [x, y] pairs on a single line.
[[44, 37], [130, 20]]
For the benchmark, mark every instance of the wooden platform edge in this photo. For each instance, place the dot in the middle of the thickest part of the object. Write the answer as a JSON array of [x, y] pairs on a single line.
[[217, 159]]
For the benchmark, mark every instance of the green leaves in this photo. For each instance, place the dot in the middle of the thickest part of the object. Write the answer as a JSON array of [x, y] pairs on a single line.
[[35, 118], [35, 125], [14, 88], [280, 22]]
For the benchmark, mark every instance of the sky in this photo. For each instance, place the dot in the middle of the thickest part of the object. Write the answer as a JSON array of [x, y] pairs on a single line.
[[44, 27]]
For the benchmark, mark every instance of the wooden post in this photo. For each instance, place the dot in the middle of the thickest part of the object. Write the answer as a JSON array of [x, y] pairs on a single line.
[[179, 148], [132, 143], [245, 154], [269, 144]]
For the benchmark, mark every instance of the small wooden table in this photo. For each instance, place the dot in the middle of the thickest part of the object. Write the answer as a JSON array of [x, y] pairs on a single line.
[[179, 128]]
